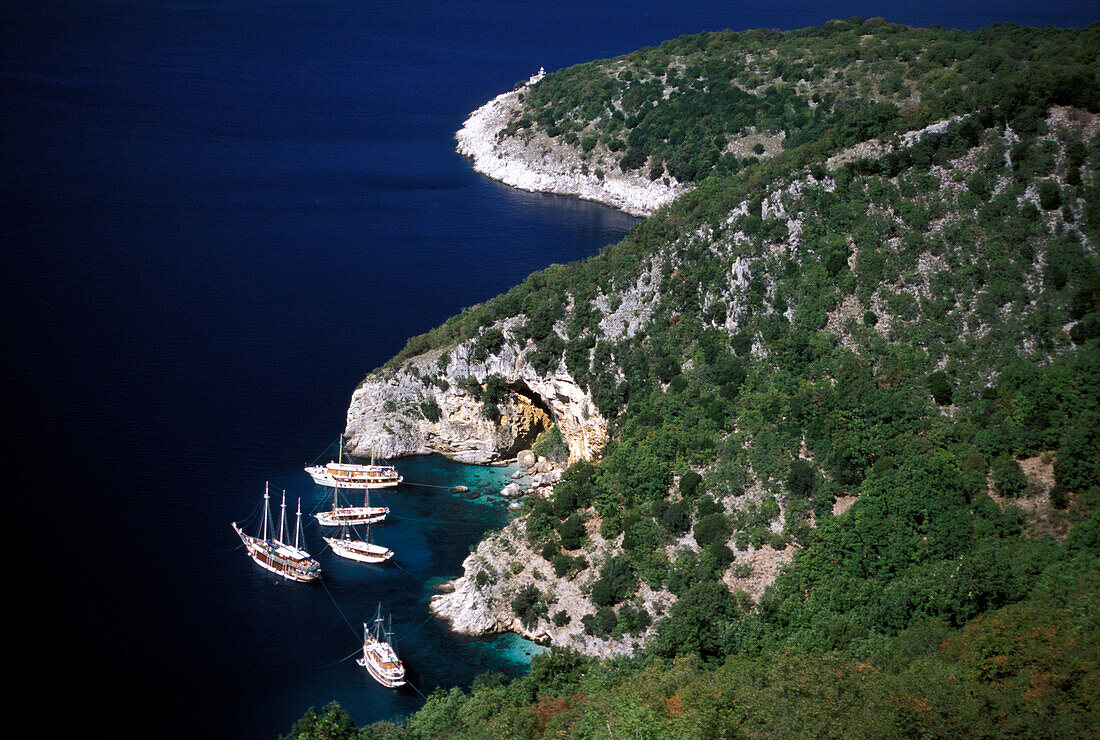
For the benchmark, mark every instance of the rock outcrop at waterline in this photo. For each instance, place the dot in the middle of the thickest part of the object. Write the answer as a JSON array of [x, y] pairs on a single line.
[[535, 162], [483, 601], [428, 406]]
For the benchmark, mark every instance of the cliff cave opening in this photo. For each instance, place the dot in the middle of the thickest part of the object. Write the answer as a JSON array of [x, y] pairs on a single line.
[[533, 418]]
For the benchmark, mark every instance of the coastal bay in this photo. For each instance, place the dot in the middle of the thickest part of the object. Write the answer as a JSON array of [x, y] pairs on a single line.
[[218, 218]]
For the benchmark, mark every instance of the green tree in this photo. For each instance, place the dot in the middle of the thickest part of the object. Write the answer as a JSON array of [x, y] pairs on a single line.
[[940, 387], [334, 723], [700, 622], [572, 532], [1008, 477]]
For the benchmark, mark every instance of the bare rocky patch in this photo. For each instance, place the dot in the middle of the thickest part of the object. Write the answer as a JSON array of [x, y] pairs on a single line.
[[1040, 515]]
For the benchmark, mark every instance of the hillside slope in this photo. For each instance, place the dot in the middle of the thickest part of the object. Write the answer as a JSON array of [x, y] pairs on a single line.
[[828, 396]]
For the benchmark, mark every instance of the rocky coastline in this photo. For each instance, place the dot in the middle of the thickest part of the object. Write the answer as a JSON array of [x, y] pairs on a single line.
[[431, 406], [431, 403], [482, 600], [536, 163]]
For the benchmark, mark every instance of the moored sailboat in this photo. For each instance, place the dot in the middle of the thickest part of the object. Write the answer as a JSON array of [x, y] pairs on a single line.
[[342, 515], [340, 474], [379, 656], [363, 551], [289, 561]]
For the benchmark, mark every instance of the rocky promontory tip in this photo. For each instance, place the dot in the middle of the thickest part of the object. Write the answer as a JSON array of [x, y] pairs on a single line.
[[537, 163]]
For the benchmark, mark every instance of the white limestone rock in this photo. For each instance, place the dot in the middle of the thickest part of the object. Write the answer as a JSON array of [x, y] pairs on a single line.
[[385, 416], [538, 163]]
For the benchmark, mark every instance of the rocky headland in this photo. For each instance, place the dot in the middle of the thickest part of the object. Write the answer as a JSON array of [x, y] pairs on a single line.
[[484, 600], [534, 162], [481, 401], [422, 408]]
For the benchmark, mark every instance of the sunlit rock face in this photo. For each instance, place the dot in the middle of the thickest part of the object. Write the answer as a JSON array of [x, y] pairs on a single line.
[[537, 163], [387, 416]]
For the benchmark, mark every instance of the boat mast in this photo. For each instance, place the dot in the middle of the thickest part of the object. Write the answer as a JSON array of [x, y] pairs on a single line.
[[265, 511], [366, 491], [378, 623], [298, 526], [282, 519]]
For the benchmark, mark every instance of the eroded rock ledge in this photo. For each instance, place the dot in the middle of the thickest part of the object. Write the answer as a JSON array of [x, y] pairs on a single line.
[[427, 407], [481, 601], [535, 162]]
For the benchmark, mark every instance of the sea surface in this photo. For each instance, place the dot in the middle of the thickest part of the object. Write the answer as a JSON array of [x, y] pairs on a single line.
[[216, 216]]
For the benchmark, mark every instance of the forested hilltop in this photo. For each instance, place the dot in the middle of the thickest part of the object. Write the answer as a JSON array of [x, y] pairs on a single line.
[[851, 389]]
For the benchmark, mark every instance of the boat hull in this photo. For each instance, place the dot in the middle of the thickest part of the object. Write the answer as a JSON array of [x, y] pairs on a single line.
[[376, 655], [282, 560], [363, 552], [356, 477], [352, 515]]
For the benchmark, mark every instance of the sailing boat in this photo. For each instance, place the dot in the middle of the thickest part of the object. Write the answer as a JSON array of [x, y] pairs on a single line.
[[288, 561], [343, 515], [352, 475], [362, 550], [379, 657]]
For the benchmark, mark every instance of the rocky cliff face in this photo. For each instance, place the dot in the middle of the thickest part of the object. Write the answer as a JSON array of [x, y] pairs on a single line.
[[481, 601], [430, 405], [534, 162]]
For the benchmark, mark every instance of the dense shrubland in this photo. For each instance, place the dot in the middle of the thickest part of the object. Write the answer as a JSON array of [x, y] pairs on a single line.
[[911, 330], [680, 109]]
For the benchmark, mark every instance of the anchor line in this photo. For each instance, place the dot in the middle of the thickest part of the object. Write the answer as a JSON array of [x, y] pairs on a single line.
[[338, 609], [417, 519], [326, 665], [406, 572], [410, 683], [427, 485], [417, 628]]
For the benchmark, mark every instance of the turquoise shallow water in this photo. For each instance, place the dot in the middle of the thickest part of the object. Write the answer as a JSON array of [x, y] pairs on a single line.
[[218, 216], [431, 530]]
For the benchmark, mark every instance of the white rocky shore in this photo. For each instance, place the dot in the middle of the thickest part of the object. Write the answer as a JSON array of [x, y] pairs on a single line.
[[480, 601], [537, 163]]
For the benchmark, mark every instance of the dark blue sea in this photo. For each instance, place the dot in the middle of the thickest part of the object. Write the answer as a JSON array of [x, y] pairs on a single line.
[[216, 216]]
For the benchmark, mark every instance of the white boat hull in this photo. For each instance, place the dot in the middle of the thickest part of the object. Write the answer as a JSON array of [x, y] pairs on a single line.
[[352, 515], [363, 552], [386, 477], [376, 656], [282, 560]]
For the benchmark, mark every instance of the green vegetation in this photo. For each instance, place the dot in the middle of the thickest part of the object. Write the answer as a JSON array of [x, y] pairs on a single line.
[[1023, 670], [680, 107], [911, 328], [551, 445]]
